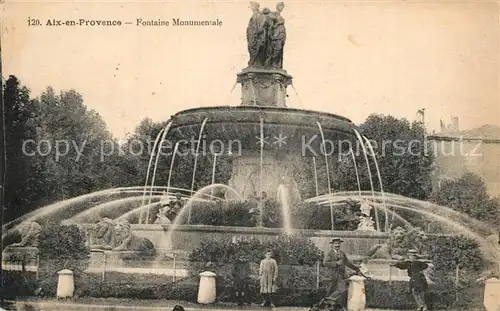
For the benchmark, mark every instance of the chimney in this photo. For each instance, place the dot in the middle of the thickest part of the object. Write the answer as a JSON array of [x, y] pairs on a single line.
[[454, 124]]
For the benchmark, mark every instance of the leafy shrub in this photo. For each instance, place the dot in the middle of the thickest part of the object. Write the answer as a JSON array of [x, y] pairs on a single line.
[[296, 256], [19, 284], [238, 214], [456, 254], [61, 247]]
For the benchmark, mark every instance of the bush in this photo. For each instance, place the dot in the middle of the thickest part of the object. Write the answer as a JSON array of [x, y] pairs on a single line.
[[450, 253], [19, 284], [304, 216], [61, 247], [296, 256]]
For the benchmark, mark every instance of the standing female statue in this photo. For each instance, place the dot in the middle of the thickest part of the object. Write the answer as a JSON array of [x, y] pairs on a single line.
[[257, 35], [277, 38]]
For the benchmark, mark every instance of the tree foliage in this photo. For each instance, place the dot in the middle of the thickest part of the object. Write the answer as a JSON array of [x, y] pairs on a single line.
[[21, 184], [468, 195], [404, 160], [57, 148]]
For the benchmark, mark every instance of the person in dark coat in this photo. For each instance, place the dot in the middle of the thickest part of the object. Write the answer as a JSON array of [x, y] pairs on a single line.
[[241, 274], [418, 283], [337, 261]]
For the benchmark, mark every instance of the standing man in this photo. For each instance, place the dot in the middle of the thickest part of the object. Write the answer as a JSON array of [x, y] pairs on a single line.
[[337, 261]]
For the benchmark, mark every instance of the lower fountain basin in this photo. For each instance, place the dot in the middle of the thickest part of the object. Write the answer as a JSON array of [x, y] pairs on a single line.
[[187, 237]]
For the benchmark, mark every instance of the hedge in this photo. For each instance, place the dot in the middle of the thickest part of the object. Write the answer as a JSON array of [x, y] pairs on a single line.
[[297, 257]]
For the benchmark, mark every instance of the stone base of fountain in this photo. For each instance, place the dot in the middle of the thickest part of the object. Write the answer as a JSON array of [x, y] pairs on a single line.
[[172, 256], [17, 258], [170, 264], [187, 237]]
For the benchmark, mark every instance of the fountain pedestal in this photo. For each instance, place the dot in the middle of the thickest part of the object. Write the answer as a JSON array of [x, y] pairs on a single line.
[[246, 177], [264, 87]]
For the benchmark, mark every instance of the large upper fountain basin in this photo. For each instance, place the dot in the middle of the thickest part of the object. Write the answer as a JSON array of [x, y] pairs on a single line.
[[243, 123]]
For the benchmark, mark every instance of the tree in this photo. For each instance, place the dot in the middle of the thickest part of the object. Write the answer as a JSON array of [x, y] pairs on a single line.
[[404, 159], [182, 171], [20, 127], [468, 195], [73, 162]]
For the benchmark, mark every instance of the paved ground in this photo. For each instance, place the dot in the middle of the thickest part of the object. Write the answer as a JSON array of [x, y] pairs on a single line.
[[133, 305]]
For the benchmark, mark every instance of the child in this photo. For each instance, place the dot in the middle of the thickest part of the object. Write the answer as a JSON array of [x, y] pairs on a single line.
[[268, 274], [418, 282]]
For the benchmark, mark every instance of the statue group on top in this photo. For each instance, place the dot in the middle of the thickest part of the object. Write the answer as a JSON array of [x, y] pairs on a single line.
[[266, 36]]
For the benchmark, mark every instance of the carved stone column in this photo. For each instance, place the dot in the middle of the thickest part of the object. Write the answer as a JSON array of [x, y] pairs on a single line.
[[264, 87]]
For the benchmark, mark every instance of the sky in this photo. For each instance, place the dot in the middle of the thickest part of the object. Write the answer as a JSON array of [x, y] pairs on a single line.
[[350, 58]]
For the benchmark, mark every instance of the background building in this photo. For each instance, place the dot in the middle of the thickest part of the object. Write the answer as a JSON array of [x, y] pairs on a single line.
[[476, 151]]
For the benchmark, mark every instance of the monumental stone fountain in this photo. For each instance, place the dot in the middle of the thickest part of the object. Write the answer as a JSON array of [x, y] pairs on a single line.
[[269, 143]]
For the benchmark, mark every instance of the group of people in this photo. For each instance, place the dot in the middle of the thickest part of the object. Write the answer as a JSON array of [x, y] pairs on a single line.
[[337, 263]]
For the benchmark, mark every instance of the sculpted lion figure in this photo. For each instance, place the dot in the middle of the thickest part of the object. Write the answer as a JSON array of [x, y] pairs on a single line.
[[393, 249], [103, 235], [30, 233], [125, 240]]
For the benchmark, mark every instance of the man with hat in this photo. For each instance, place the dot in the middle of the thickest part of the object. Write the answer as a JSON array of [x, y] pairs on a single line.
[[337, 261], [418, 283]]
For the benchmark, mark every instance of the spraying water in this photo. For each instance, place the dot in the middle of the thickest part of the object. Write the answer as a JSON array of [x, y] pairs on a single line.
[[158, 153], [149, 165], [284, 204], [106, 210], [75, 204], [327, 172], [356, 170], [369, 144], [213, 171], [141, 209], [196, 159], [187, 207], [315, 176], [358, 136], [172, 166]]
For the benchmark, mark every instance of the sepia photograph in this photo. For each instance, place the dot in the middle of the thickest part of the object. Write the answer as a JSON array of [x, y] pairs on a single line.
[[309, 155]]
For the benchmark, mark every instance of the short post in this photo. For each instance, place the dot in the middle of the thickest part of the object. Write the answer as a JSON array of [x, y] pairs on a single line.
[[207, 289], [357, 297], [65, 284], [492, 295]]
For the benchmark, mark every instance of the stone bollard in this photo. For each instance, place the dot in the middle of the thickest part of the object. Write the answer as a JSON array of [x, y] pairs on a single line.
[[65, 284], [207, 289], [492, 295], [357, 298]]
